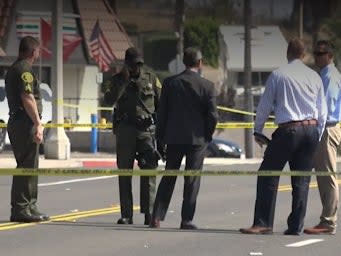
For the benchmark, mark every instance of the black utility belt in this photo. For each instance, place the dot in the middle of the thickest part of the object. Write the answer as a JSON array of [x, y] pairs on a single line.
[[139, 122], [19, 113]]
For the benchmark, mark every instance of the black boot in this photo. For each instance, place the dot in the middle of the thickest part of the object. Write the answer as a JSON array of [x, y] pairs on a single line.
[[147, 219], [125, 221], [35, 212]]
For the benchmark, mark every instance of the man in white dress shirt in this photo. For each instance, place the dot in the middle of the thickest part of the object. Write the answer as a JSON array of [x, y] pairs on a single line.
[[295, 93]]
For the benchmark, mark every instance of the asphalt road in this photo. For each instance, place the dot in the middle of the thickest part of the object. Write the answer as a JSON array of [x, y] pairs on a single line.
[[85, 211]]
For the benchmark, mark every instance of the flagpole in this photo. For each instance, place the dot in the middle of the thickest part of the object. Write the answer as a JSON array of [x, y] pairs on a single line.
[[94, 132]]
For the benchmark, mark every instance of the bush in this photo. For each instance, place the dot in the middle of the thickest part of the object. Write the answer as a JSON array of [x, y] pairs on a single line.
[[202, 32]]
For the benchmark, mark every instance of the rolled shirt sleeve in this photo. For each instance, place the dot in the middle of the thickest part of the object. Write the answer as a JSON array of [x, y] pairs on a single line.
[[265, 105]]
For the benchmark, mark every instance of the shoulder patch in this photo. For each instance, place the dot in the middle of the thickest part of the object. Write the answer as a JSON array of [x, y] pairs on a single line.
[[158, 83], [28, 88], [27, 77]]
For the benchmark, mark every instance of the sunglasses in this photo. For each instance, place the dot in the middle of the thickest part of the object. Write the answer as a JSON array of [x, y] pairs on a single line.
[[320, 53]]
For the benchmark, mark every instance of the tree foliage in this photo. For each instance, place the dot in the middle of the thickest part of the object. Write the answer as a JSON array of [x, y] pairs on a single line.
[[202, 32], [333, 27]]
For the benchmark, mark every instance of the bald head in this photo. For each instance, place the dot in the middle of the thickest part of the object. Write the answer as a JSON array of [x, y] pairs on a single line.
[[295, 49]]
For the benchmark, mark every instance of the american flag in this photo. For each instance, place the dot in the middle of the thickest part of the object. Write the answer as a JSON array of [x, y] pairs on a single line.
[[100, 48]]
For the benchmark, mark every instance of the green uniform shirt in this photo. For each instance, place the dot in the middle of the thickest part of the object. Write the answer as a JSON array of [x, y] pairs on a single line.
[[124, 94], [20, 78]]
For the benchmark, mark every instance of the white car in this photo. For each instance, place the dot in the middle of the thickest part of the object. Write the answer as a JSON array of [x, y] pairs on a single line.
[[46, 95], [3, 114]]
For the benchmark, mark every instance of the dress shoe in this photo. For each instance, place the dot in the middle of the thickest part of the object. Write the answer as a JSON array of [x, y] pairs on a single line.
[[44, 216], [25, 217], [291, 232], [147, 218], [320, 229], [125, 221], [187, 225], [154, 223], [256, 230]]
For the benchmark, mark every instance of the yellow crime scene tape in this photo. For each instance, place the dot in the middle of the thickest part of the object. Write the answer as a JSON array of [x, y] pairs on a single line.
[[238, 111], [226, 125], [127, 172], [109, 172]]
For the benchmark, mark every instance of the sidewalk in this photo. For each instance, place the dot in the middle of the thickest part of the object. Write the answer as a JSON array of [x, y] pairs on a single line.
[[101, 160]]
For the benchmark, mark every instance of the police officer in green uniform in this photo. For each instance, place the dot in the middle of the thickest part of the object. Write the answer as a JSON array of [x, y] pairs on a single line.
[[25, 130], [135, 93]]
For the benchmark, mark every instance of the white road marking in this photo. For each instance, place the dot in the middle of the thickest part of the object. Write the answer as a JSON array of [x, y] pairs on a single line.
[[75, 180], [255, 253], [305, 242]]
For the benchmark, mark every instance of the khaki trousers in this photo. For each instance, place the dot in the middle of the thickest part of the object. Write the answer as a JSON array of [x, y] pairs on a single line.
[[325, 160]]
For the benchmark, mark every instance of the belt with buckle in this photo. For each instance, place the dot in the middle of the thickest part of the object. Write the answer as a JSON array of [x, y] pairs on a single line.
[[298, 123], [331, 124]]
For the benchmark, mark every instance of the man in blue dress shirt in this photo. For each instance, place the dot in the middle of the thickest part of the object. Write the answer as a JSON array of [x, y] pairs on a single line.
[[326, 153], [295, 93]]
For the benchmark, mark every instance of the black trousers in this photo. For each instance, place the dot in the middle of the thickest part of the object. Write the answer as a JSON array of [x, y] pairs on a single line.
[[195, 155], [132, 142], [24, 191], [295, 145]]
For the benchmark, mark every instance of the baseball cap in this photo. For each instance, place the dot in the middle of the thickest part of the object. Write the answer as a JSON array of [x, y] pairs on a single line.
[[132, 56]]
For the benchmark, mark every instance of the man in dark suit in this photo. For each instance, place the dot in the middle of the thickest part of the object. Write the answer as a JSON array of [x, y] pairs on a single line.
[[186, 121]]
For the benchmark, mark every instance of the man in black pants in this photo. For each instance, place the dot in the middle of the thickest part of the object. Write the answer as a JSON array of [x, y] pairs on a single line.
[[186, 121], [295, 93], [25, 130], [135, 92]]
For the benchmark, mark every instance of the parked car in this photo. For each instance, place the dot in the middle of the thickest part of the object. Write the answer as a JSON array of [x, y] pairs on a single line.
[[46, 94], [3, 114], [223, 148]]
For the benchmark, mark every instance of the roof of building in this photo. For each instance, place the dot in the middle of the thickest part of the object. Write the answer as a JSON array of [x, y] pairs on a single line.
[[24, 18], [6, 9], [92, 10], [268, 47]]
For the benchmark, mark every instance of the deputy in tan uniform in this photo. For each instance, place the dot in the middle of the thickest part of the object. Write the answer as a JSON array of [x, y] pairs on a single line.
[[135, 92], [25, 130]]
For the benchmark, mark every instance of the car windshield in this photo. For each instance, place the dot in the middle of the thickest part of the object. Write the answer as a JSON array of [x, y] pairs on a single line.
[[45, 95]]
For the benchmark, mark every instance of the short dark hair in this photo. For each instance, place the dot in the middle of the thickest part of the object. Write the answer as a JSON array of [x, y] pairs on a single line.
[[27, 45], [295, 48], [329, 47], [192, 56]]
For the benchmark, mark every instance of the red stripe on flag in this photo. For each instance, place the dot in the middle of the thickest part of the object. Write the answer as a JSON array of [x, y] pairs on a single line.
[[100, 48]]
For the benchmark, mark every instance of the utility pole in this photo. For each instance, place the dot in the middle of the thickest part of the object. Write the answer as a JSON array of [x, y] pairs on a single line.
[[57, 145], [300, 32], [179, 27], [272, 16], [248, 98]]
